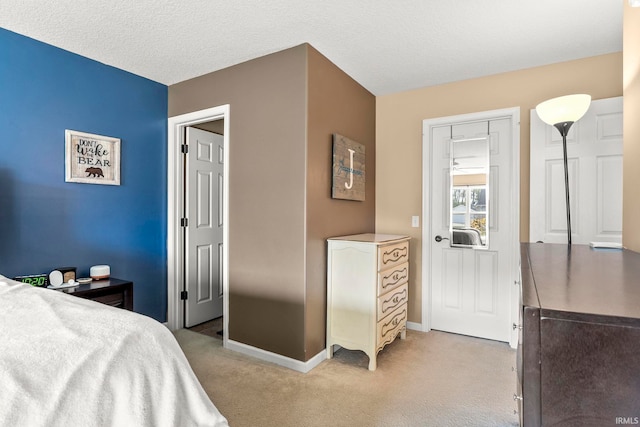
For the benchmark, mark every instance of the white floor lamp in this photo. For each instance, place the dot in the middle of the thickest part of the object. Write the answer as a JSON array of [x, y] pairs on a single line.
[[561, 113]]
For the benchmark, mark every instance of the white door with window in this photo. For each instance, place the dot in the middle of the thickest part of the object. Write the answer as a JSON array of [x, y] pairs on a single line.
[[470, 240], [204, 226], [594, 159]]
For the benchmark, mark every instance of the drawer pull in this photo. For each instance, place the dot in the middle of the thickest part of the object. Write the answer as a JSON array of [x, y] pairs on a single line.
[[392, 323], [397, 275], [516, 397], [394, 255], [392, 302], [518, 327]]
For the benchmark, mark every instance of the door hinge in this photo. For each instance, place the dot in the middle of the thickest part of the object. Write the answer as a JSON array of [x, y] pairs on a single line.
[[184, 295], [184, 148], [184, 222]]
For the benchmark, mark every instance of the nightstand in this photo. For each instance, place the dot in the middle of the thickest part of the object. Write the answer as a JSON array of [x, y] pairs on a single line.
[[113, 292]]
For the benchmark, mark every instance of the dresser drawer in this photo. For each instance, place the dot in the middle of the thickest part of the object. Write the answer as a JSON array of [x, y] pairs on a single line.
[[392, 278], [391, 255], [391, 325], [392, 300]]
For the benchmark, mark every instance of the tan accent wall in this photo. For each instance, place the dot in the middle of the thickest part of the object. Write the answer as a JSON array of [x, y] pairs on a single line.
[[284, 108], [337, 104], [267, 98], [399, 137], [631, 159]]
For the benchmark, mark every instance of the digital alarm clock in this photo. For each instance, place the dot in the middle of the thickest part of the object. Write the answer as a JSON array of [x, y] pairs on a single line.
[[40, 280]]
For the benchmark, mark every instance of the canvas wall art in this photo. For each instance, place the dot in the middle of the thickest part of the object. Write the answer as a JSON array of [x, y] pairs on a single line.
[[348, 169]]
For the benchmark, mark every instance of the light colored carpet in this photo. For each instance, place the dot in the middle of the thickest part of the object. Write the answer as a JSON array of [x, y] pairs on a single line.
[[430, 379]]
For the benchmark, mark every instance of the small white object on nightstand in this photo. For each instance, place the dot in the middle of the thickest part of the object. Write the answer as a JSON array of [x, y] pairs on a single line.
[[55, 278], [98, 272]]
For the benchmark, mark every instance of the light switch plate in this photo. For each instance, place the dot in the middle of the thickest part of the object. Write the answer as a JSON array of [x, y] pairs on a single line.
[[415, 221]]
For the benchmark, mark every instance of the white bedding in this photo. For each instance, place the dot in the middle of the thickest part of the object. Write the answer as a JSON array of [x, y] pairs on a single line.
[[67, 361]]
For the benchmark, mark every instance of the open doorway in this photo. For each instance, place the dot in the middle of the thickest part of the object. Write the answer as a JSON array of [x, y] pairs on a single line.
[[213, 328], [203, 159], [215, 120]]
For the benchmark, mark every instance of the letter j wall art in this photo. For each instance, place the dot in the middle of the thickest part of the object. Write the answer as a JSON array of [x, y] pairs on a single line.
[[91, 159], [348, 169]]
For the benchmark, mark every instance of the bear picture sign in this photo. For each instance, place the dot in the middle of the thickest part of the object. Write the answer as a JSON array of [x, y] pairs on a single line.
[[91, 159]]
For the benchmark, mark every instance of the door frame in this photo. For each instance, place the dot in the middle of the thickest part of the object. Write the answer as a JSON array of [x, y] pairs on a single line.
[[514, 229], [175, 198]]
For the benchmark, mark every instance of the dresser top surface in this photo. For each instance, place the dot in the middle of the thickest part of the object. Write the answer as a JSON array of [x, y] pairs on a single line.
[[581, 279], [372, 238]]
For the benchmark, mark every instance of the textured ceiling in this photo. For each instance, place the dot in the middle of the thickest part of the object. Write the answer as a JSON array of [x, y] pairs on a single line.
[[387, 46]]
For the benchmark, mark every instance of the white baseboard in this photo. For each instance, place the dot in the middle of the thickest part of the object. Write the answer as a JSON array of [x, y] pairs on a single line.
[[288, 362], [278, 359], [414, 326]]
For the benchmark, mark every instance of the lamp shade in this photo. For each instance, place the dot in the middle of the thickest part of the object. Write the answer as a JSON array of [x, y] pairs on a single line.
[[568, 108]]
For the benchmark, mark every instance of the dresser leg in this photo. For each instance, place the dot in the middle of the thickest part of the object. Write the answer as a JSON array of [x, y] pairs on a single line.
[[403, 334], [372, 363]]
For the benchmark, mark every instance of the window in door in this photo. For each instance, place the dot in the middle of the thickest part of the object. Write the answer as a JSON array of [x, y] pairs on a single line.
[[469, 209]]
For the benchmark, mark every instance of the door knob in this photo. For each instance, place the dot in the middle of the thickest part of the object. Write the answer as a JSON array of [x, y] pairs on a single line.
[[439, 238]]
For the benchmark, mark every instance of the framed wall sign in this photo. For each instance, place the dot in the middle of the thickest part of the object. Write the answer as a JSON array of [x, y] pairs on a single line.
[[348, 169], [91, 159]]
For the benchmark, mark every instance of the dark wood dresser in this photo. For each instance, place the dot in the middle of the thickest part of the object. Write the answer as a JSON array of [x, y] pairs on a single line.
[[113, 292], [579, 346]]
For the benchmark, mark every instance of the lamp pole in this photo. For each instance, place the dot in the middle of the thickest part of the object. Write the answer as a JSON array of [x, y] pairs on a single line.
[[563, 128], [562, 112]]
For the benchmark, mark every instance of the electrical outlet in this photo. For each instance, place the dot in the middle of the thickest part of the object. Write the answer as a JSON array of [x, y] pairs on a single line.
[[415, 221]]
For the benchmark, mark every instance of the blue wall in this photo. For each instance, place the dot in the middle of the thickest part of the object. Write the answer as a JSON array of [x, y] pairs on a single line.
[[46, 222]]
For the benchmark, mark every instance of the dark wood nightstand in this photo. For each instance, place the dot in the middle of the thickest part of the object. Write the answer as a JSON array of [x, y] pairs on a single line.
[[113, 292]]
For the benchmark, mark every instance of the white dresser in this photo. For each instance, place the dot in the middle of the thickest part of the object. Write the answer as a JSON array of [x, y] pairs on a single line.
[[367, 292]]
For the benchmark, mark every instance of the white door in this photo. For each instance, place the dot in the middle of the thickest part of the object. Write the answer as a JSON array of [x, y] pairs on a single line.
[[472, 290], [594, 158], [204, 227]]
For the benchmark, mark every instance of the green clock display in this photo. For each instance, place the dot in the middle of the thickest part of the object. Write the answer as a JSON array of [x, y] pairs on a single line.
[[40, 280]]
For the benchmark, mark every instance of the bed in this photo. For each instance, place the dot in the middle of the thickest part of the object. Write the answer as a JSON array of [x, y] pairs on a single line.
[[466, 236], [68, 361]]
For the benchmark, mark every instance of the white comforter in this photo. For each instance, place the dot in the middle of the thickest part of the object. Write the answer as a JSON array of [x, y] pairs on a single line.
[[67, 361]]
